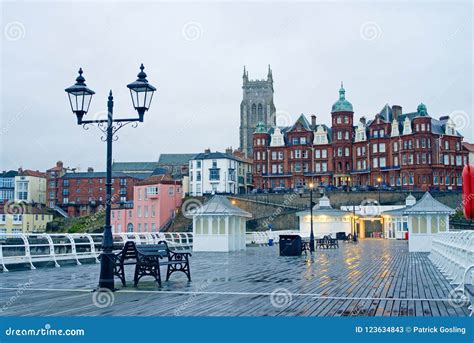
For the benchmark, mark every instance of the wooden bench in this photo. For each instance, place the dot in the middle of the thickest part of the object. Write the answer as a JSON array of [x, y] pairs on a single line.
[[147, 260], [127, 256], [327, 242]]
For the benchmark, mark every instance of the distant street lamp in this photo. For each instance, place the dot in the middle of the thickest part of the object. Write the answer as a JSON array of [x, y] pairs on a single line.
[[311, 234], [80, 98], [379, 180]]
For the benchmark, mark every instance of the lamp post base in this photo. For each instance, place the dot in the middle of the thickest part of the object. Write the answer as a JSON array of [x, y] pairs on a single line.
[[107, 261]]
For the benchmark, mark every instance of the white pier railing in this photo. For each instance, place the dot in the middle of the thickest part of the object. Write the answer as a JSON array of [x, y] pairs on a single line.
[[56, 248], [453, 254], [263, 237], [35, 248]]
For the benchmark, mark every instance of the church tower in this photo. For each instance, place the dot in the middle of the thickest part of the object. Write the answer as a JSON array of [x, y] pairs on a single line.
[[256, 106]]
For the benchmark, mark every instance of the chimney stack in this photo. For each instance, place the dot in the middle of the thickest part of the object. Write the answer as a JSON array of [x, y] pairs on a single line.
[[396, 111], [228, 151], [59, 164], [207, 151], [90, 170], [363, 120], [313, 121]]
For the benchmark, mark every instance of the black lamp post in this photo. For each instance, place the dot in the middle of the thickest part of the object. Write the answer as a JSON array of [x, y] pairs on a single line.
[[311, 234], [379, 179], [80, 98]]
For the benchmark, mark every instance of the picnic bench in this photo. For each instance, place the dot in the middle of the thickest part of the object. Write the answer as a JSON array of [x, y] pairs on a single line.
[[148, 258], [327, 242]]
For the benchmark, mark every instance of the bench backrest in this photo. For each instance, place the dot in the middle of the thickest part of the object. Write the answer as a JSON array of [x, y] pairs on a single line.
[[129, 251], [160, 249]]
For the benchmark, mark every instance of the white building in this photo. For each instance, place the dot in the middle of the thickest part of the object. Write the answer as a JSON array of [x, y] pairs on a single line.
[[426, 218], [219, 226], [326, 220], [216, 172]]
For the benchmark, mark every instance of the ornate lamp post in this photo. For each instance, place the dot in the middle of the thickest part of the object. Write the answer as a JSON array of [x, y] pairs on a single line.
[[311, 234], [80, 98]]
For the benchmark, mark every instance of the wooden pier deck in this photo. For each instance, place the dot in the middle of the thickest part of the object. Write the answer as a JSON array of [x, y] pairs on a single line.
[[371, 278]]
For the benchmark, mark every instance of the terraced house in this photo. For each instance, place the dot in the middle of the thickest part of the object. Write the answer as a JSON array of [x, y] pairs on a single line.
[[403, 150]]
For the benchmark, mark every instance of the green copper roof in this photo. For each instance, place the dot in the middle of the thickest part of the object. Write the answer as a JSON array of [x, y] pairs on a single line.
[[421, 109], [260, 128], [342, 105]]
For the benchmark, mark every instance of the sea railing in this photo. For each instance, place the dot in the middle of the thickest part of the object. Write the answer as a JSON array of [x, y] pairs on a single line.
[[45, 247]]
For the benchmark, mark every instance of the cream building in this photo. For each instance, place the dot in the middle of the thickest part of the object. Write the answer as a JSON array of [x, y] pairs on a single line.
[[30, 187], [28, 220]]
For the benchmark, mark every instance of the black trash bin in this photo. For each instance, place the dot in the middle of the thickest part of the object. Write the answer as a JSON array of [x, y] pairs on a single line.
[[290, 245], [341, 236]]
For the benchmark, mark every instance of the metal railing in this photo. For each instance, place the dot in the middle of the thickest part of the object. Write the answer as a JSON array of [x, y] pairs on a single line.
[[32, 249], [36, 248]]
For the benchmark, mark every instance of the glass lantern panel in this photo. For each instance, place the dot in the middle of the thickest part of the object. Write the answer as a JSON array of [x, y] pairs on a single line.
[[140, 97], [149, 96], [87, 101]]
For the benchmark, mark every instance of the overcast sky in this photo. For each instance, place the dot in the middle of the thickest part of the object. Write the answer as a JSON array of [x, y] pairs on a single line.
[[397, 53]]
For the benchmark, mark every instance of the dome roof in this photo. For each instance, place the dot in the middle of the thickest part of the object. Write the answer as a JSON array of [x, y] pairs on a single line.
[[342, 105], [421, 109], [260, 128]]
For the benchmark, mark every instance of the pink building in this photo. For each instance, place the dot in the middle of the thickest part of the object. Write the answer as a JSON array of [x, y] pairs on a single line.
[[155, 201]]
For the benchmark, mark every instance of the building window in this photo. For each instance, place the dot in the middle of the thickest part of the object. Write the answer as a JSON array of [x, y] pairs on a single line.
[[374, 148], [151, 190], [303, 140], [214, 174], [139, 211], [170, 191], [375, 163]]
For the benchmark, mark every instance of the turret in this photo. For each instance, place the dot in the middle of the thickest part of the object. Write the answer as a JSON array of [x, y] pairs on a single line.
[[269, 75], [245, 76]]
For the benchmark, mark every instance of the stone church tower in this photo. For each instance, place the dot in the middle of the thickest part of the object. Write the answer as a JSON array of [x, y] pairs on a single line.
[[256, 106]]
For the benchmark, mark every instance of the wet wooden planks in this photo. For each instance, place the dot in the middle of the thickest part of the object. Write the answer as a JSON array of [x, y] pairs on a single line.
[[371, 278]]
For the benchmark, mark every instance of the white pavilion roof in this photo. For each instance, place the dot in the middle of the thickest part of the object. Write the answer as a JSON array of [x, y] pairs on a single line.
[[428, 204], [220, 205]]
